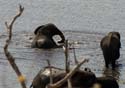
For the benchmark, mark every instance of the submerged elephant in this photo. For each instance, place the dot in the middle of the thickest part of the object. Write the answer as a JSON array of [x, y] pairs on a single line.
[[110, 46], [44, 37]]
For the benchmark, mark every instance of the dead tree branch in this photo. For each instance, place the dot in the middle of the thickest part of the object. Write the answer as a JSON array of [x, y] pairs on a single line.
[[69, 83], [68, 76], [67, 64], [51, 78], [74, 52], [10, 58]]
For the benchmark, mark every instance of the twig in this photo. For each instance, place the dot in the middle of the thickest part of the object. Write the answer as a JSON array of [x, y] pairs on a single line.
[[51, 78], [66, 56], [68, 76], [67, 64], [74, 52], [69, 83], [10, 58]]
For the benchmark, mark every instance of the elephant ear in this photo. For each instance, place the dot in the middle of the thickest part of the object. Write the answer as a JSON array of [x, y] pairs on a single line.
[[37, 29], [115, 33], [118, 34]]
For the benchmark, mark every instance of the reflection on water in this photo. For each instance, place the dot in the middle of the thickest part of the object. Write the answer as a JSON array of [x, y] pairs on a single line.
[[114, 73]]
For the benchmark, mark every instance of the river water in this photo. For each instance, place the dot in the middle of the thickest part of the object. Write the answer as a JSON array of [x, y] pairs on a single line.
[[84, 22]]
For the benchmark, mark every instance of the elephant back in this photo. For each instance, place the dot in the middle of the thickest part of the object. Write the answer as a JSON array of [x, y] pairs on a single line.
[[114, 41]]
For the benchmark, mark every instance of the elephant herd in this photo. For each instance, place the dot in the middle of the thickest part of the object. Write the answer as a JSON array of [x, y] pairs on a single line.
[[110, 46]]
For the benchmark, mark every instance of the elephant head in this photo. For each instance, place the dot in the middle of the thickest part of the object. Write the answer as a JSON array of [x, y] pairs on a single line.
[[44, 36], [110, 46]]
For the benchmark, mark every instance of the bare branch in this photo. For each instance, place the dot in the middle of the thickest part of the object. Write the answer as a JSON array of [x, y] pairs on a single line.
[[67, 63], [68, 76], [66, 56], [69, 83], [74, 52], [7, 27], [18, 15], [51, 78], [10, 58]]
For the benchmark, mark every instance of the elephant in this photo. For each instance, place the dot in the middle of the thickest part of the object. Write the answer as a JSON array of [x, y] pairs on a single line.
[[110, 45], [44, 37], [107, 82], [81, 78], [43, 77]]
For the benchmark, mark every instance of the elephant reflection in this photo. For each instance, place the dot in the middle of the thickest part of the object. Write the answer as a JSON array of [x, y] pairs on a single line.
[[110, 46], [44, 37]]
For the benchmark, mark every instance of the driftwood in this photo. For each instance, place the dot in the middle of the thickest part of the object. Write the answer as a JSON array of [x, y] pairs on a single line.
[[10, 58]]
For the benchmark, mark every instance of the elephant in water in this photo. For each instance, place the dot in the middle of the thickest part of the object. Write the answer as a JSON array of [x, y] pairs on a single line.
[[44, 37], [110, 46]]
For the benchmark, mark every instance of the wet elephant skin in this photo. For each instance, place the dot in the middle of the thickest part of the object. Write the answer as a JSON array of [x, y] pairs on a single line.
[[44, 37]]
